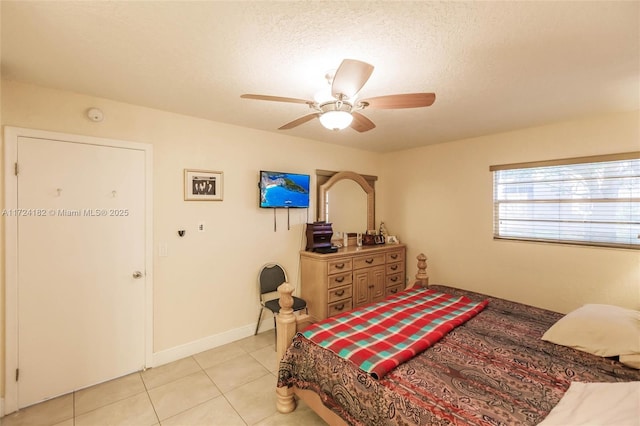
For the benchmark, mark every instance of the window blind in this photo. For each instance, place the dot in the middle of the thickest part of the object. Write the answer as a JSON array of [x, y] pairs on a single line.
[[588, 200]]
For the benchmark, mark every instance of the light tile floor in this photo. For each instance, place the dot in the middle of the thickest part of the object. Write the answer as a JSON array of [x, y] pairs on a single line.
[[229, 385]]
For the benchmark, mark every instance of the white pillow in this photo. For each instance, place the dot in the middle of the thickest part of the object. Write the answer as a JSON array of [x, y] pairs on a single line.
[[632, 361], [597, 404], [602, 330]]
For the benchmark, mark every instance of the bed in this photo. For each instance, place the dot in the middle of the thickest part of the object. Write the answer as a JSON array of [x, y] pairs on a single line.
[[493, 369]]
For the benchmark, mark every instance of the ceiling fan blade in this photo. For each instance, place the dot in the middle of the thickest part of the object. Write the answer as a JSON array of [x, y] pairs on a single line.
[[276, 99], [408, 100], [361, 123], [299, 121], [350, 77]]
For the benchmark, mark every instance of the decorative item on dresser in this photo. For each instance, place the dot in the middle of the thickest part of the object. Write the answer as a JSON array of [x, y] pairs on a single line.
[[319, 237], [353, 276]]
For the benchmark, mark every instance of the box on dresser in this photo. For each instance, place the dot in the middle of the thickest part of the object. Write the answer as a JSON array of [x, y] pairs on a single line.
[[319, 237]]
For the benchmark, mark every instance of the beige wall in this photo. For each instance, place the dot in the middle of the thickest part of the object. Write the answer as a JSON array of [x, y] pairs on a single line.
[[207, 285], [439, 201]]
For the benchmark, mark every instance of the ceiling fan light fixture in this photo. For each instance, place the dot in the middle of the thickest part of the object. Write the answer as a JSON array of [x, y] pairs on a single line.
[[339, 107], [336, 120], [336, 115]]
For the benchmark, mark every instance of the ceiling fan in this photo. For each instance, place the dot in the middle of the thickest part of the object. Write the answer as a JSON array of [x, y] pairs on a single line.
[[340, 109]]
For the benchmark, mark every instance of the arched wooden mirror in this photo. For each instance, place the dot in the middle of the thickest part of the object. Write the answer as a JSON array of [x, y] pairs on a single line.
[[347, 200]]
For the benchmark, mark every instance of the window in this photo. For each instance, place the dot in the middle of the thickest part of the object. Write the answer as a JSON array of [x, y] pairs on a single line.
[[589, 200]]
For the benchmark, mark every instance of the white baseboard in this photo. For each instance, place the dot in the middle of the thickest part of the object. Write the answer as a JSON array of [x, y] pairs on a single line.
[[201, 345]]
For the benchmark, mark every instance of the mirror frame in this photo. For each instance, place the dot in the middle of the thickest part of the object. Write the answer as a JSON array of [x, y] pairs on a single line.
[[326, 179]]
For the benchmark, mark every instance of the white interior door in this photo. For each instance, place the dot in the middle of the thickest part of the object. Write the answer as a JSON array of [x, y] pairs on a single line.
[[80, 242]]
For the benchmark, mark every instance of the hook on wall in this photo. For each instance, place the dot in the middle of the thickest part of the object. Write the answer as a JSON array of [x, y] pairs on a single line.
[[59, 191], [113, 193], [181, 232]]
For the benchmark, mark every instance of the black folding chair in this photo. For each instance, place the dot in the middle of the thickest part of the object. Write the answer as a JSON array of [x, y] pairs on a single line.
[[270, 277]]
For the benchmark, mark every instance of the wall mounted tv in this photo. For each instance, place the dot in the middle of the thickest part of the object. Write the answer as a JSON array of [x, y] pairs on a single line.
[[283, 190]]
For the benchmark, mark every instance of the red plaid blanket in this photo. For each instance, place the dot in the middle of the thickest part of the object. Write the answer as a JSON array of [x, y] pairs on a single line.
[[381, 336]]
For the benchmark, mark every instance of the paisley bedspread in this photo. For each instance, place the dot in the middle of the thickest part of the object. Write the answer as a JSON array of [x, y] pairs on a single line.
[[492, 370]]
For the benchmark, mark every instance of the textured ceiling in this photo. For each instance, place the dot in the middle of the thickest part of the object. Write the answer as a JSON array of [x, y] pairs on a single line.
[[494, 66]]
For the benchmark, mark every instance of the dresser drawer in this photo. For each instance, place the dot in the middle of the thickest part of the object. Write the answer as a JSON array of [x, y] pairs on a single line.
[[395, 256], [393, 268], [339, 293], [367, 261], [393, 290], [339, 307], [338, 280], [339, 265], [393, 279]]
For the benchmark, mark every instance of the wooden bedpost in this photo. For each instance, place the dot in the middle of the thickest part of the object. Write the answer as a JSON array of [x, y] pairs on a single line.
[[421, 277], [285, 330]]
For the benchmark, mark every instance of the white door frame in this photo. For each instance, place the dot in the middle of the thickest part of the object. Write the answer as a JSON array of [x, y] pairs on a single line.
[[11, 135]]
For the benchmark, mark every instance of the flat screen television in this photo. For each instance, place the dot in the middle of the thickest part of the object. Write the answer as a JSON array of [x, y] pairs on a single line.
[[283, 190]]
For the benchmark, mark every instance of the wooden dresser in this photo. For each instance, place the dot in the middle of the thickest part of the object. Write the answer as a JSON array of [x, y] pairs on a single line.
[[353, 276]]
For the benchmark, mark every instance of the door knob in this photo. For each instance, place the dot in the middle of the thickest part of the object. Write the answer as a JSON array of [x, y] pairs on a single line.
[[137, 275]]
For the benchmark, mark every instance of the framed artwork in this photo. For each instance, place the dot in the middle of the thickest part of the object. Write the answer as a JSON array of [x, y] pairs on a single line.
[[392, 239], [202, 185]]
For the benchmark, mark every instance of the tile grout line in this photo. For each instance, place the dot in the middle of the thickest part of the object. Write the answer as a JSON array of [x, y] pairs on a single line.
[[249, 348], [149, 397], [197, 405], [74, 395], [234, 409], [222, 394]]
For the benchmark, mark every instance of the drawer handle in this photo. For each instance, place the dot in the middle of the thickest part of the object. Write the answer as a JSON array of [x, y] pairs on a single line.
[[394, 267], [339, 307], [394, 279], [339, 279], [394, 256], [339, 292], [369, 260], [339, 265], [394, 291], [371, 286]]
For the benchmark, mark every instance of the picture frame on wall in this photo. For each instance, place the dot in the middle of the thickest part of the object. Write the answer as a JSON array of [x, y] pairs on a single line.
[[203, 185]]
